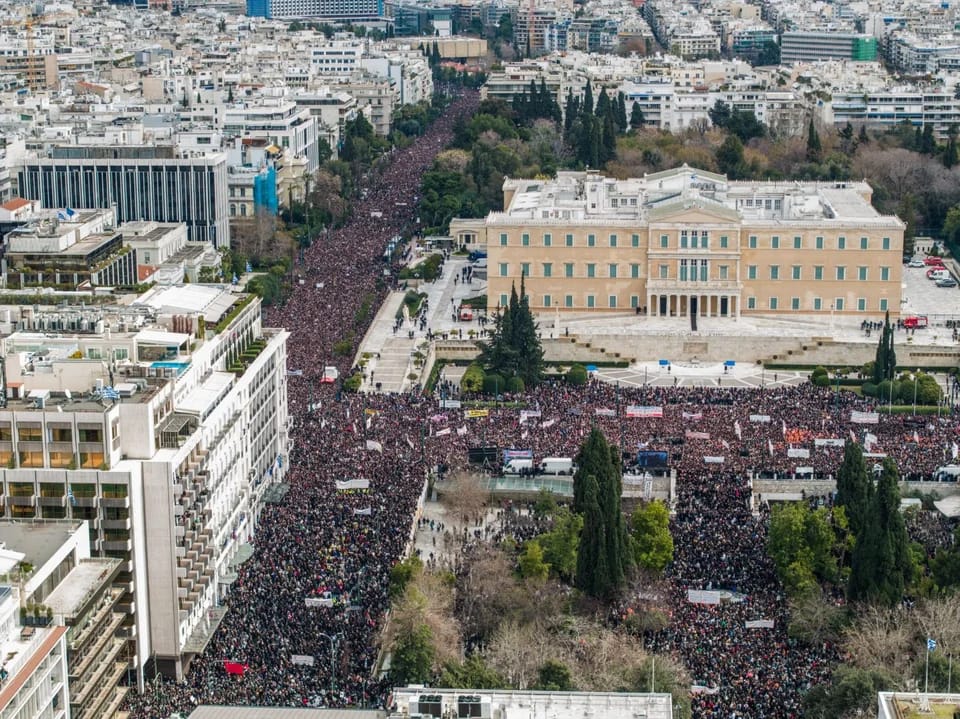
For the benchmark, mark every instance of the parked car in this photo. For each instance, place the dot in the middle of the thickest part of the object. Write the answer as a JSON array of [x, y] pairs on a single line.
[[938, 273], [916, 263], [933, 260], [947, 282]]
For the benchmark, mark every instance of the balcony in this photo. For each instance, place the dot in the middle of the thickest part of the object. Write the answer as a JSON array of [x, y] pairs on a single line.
[[53, 501], [117, 545], [116, 502], [691, 288], [113, 523], [22, 501]]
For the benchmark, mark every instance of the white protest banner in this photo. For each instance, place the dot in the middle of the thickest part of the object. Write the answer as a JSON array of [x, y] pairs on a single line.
[[759, 624], [349, 484], [799, 452], [714, 460], [302, 659], [761, 418], [864, 417]]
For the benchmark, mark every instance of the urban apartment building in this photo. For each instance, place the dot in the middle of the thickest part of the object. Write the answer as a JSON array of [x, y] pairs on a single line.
[[345, 10], [163, 425], [142, 182], [688, 242], [808, 45]]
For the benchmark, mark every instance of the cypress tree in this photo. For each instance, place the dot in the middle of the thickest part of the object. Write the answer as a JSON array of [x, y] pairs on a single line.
[[863, 138], [609, 134], [591, 560], [621, 117], [854, 488], [814, 148], [526, 341], [587, 108], [950, 154], [603, 104], [885, 360], [881, 563], [636, 116], [928, 143], [569, 115]]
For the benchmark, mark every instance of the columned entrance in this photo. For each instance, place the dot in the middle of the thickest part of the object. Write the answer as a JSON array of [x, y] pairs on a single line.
[[687, 305]]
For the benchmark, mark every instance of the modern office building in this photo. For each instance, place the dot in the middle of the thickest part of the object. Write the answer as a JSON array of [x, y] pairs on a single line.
[[810, 45], [685, 241], [148, 182], [345, 10], [162, 424]]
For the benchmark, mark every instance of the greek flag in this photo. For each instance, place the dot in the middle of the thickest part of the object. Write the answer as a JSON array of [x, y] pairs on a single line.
[[109, 392], [931, 644], [73, 500]]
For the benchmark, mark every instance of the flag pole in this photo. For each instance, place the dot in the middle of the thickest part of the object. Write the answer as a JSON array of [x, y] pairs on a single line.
[[949, 671], [926, 670]]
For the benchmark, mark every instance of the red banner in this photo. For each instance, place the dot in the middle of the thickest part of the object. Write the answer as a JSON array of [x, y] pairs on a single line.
[[235, 667]]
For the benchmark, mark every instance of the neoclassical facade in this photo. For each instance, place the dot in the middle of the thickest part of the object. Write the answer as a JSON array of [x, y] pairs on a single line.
[[685, 241]]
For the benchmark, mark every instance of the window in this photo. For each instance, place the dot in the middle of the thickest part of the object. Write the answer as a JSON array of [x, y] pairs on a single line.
[[503, 300], [864, 243], [886, 243], [817, 303], [723, 269], [753, 242], [664, 272], [723, 242], [774, 272], [568, 269], [591, 301], [548, 269], [752, 272], [525, 239], [591, 270], [568, 301], [613, 240], [524, 269], [795, 272], [569, 240], [612, 302], [704, 271], [841, 272], [504, 269], [794, 303], [88, 435], [861, 304], [885, 273], [818, 272], [751, 303], [613, 271], [664, 241], [774, 243], [862, 274], [683, 240], [841, 243], [634, 240], [547, 240], [819, 243], [634, 271], [883, 305], [773, 303], [503, 239], [634, 302], [591, 240], [838, 304], [546, 300], [797, 243]]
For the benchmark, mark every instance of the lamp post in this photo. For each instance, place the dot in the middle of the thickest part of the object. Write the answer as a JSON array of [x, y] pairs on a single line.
[[333, 657]]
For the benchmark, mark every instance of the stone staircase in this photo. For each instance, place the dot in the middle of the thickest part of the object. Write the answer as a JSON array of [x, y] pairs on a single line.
[[574, 349]]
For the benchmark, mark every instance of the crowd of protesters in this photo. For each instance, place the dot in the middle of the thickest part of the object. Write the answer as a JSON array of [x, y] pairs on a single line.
[[336, 547]]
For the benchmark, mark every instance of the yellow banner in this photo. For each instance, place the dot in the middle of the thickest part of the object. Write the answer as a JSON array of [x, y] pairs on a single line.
[[474, 413]]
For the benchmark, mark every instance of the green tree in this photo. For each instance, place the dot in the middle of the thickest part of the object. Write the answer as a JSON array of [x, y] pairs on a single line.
[[412, 657], [514, 348], [928, 143], [720, 114], [769, 54], [652, 542], [401, 573], [882, 566], [472, 380], [814, 148], [603, 557], [885, 363], [854, 488], [729, 157], [621, 113], [851, 691], [532, 565], [636, 116], [473, 673], [801, 543], [554, 676], [561, 542]]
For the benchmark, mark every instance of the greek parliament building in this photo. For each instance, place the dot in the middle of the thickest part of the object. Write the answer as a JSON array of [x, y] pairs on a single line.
[[688, 242]]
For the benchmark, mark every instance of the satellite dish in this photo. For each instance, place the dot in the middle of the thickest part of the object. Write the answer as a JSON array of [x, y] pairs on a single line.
[[67, 394]]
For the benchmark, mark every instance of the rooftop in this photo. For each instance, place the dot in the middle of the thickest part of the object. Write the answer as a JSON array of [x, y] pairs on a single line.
[[75, 590], [39, 541], [227, 712], [211, 301]]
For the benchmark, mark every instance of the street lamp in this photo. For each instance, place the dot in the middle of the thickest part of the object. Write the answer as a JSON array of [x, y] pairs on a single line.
[[333, 658]]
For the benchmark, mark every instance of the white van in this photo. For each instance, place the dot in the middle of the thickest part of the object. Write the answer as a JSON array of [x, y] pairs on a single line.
[[518, 466], [557, 465], [939, 274]]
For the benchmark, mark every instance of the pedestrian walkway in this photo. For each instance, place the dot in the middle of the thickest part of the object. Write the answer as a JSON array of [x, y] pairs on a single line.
[[690, 374]]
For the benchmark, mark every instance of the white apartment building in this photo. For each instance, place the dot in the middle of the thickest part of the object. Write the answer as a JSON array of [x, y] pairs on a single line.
[[280, 122], [337, 58], [170, 474]]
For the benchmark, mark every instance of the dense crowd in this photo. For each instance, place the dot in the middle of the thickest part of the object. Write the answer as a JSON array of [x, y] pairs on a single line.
[[339, 546]]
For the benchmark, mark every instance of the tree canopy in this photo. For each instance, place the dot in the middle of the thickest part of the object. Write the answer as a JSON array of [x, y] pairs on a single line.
[[514, 349]]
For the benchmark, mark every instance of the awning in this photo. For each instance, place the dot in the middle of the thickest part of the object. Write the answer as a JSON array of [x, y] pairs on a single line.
[[949, 506], [228, 578], [244, 552]]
